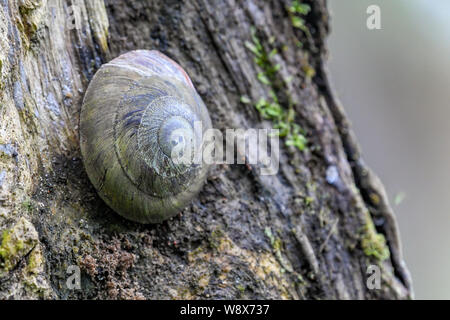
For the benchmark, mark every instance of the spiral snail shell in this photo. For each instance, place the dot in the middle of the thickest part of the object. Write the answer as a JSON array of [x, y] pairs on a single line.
[[140, 116]]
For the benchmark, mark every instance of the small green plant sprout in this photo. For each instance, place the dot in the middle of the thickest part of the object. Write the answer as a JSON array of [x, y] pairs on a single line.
[[297, 10], [296, 139], [245, 100], [308, 70], [262, 59], [27, 205], [300, 8], [270, 108]]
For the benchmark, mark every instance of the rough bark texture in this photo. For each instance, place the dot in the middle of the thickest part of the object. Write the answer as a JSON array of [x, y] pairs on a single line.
[[308, 232]]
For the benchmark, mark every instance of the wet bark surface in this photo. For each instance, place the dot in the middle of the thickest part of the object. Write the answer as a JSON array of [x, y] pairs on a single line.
[[308, 232]]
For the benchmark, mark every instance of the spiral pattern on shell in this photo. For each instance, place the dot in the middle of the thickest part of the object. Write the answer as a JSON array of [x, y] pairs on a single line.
[[141, 129]]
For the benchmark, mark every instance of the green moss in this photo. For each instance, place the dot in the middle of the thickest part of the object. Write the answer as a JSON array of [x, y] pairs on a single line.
[[35, 289], [374, 243], [9, 249], [299, 8], [16, 243], [309, 201], [245, 100], [241, 290], [193, 255], [25, 10], [270, 108], [276, 243], [297, 11], [27, 205], [308, 70], [263, 59], [34, 262], [28, 23], [277, 246], [216, 239]]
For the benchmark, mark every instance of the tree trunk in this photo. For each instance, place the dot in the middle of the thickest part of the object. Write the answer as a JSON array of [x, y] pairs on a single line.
[[309, 232]]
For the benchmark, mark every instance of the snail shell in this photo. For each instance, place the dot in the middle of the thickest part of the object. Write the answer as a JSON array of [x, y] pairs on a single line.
[[139, 114]]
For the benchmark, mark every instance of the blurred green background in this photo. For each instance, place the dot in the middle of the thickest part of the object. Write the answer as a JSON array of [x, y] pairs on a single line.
[[395, 86]]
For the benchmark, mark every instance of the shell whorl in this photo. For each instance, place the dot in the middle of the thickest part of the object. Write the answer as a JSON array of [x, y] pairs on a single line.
[[140, 115]]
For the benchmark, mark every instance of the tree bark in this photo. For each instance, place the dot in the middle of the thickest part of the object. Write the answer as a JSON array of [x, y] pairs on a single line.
[[308, 232]]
